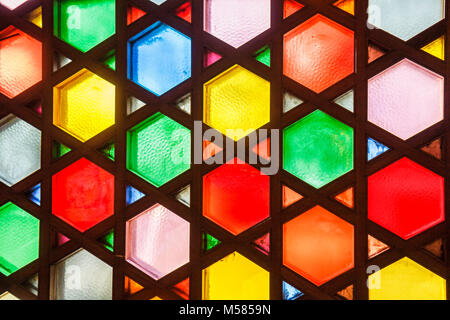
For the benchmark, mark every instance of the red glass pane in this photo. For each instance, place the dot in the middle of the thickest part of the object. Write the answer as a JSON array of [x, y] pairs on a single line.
[[236, 196], [134, 14], [318, 53], [406, 198], [184, 11], [83, 194], [290, 7]]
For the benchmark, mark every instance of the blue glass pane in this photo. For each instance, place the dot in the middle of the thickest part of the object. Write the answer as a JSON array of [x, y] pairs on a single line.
[[133, 195], [35, 194], [375, 148], [290, 293], [159, 58]]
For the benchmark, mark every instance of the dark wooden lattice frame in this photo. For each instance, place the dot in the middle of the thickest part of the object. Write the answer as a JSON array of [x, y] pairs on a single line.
[[92, 60]]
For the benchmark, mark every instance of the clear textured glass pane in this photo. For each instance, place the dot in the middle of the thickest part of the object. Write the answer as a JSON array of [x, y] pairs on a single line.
[[82, 276]]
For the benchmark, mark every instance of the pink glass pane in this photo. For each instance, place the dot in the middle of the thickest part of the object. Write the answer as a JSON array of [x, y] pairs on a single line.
[[157, 241], [236, 21], [12, 4], [406, 99]]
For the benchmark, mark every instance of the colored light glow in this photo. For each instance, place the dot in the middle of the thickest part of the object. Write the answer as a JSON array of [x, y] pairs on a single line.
[[12, 4], [318, 149], [84, 105], [84, 24], [20, 62], [157, 241], [159, 149], [94, 281], [406, 99], [236, 21], [406, 280], [318, 53], [236, 196], [236, 102], [235, 278], [19, 238], [83, 194], [318, 245], [406, 198], [159, 58], [20, 145]]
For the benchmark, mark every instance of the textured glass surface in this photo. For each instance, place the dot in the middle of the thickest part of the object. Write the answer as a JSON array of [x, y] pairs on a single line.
[[83, 194], [157, 241], [235, 278], [290, 102], [405, 279], [375, 246], [133, 195], [209, 242], [12, 4], [237, 100], [406, 18], [184, 103], [318, 53], [290, 292], [184, 195], [346, 197], [159, 149], [263, 243], [318, 149], [82, 276], [159, 58], [290, 196], [406, 198], [318, 245], [236, 21], [20, 145], [346, 100], [434, 148], [290, 7], [436, 48], [83, 23], [406, 99], [19, 238], [20, 61], [236, 196], [84, 105], [375, 148]]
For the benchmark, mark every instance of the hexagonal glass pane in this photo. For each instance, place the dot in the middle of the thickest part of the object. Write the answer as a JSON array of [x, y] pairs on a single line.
[[318, 53], [83, 194], [19, 238], [157, 241], [20, 145], [81, 276], [159, 58], [12, 4], [236, 196], [84, 24], [406, 280], [159, 149], [235, 278], [405, 19], [20, 61], [406, 99], [406, 198], [236, 102], [318, 149], [84, 105], [236, 21], [318, 245]]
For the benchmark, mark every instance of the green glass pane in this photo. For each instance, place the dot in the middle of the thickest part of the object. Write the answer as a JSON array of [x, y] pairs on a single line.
[[108, 240], [59, 150], [19, 238], [318, 149], [209, 241], [108, 150], [263, 56], [111, 62], [84, 23], [159, 149]]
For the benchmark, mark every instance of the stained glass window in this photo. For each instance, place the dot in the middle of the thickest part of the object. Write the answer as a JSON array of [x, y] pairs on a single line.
[[224, 149]]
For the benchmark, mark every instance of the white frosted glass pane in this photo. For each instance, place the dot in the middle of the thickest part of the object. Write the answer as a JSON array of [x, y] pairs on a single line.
[[290, 102], [346, 100], [405, 18], [82, 276], [8, 296], [158, 1], [20, 145]]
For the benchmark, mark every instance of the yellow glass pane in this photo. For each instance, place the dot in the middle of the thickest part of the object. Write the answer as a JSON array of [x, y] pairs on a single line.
[[84, 105], [35, 17], [346, 5], [237, 102], [436, 48], [235, 278], [406, 280], [156, 298]]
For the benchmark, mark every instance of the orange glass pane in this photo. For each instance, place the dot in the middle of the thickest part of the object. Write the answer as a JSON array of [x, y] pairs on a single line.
[[131, 286], [346, 197], [290, 197], [290, 7]]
